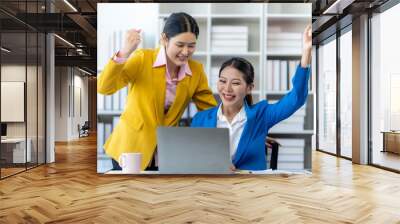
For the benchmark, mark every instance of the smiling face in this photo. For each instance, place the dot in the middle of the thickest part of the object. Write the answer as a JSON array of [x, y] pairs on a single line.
[[232, 87], [180, 48]]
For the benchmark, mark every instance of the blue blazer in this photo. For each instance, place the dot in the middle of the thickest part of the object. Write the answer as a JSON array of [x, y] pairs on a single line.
[[250, 154]]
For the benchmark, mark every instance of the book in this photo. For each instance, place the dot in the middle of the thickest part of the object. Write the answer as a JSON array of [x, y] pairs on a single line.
[[284, 50], [274, 29], [276, 75], [270, 70], [229, 49], [284, 75], [229, 29], [100, 138], [233, 43], [100, 102], [284, 43], [115, 122], [108, 102], [229, 36], [292, 71], [107, 130], [115, 99], [284, 36]]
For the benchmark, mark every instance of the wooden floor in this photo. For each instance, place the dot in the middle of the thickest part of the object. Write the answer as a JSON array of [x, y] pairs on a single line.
[[70, 191], [386, 159]]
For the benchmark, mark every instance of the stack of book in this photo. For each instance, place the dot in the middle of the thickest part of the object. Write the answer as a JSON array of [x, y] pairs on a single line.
[[280, 74], [229, 39], [284, 43], [104, 131]]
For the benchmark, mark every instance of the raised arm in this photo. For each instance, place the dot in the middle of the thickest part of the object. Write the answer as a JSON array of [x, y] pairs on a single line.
[[298, 94], [307, 46], [118, 73]]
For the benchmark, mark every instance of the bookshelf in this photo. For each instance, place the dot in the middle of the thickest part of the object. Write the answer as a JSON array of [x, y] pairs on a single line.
[[259, 23]]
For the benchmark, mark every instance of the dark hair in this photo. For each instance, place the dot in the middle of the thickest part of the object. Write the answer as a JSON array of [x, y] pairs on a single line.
[[180, 23], [245, 68]]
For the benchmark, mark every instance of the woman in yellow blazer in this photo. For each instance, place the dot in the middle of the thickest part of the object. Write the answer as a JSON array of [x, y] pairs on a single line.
[[161, 83]]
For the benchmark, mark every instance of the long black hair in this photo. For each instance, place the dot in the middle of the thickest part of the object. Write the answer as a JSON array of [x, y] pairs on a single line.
[[245, 68], [180, 22]]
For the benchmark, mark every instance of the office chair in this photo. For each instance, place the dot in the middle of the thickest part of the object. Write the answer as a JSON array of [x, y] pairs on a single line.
[[84, 130], [274, 145]]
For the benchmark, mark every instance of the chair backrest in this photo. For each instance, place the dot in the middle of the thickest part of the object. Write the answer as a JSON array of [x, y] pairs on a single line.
[[274, 155], [86, 125]]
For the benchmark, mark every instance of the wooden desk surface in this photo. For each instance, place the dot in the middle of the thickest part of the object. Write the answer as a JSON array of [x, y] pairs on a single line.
[[240, 172]]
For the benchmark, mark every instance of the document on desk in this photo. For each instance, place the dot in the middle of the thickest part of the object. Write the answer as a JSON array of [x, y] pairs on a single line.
[[273, 172], [120, 172]]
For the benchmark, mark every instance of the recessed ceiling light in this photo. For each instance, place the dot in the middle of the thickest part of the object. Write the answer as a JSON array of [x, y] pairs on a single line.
[[84, 71], [70, 5], [64, 40], [5, 50], [338, 6]]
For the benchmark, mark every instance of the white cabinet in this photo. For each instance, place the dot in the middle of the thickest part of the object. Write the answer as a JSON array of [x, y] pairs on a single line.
[[16, 147]]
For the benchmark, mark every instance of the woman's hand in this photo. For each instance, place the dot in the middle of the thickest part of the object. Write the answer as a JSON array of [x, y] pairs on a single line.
[[132, 41], [232, 167], [269, 141], [307, 46]]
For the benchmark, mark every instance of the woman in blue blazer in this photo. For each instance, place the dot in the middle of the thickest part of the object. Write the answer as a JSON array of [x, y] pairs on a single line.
[[249, 123]]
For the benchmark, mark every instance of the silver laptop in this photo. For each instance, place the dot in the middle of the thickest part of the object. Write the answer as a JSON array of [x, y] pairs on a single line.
[[184, 150]]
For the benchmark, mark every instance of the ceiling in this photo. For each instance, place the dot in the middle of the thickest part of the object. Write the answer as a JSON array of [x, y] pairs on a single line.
[[77, 22]]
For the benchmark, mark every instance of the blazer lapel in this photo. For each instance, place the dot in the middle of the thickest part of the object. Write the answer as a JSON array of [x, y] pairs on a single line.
[[159, 88], [245, 137], [212, 117]]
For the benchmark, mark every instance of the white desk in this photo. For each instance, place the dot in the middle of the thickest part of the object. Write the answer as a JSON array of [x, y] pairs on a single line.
[[18, 145], [258, 172]]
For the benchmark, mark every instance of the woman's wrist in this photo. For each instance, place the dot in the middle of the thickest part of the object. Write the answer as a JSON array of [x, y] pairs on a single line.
[[306, 57], [123, 54]]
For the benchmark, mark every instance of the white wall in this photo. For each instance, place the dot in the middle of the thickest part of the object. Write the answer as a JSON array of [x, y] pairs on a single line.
[[67, 115]]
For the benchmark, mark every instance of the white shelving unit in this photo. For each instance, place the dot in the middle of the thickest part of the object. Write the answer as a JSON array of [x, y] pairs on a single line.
[[258, 17]]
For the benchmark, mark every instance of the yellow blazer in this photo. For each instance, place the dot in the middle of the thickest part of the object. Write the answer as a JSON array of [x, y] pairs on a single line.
[[144, 108]]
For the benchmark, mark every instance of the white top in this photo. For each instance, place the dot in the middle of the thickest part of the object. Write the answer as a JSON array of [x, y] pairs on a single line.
[[235, 127]]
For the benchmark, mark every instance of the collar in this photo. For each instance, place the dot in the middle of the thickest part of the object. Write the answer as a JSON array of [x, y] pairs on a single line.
[[161, 60], [239, 117]]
